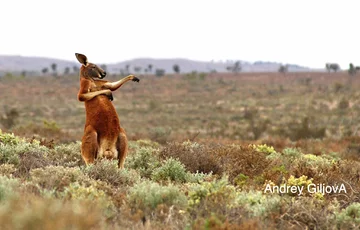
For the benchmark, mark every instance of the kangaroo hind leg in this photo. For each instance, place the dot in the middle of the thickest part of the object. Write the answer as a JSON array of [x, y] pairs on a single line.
[[122, 147], [89, 145]]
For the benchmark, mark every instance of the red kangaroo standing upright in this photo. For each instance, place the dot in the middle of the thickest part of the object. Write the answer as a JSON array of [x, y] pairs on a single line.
[[103, 135]]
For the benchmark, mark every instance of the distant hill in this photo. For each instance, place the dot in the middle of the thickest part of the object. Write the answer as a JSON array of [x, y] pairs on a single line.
[[20, 63], [34, 65]]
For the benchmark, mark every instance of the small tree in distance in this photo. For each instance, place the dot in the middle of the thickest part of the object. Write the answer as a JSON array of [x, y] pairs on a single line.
[[159, 72], [332, 66], [54, 68], [283, 69], [176, 68], [236, 68], [45, 70], [67, 71], [352, 70]]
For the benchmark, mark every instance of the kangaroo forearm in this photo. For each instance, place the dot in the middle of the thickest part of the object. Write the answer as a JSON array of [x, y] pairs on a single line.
[[117, 84], [91, 95]]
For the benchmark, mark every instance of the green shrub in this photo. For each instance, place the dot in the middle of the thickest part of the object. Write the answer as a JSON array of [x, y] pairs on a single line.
[[31, 160], [257, 203], [198, 177], [7, 187], [147, 195], [68, 155], [76, 191], [7, 169], [108, 171], [12, 147], [215, 193], [144, 160], [292, 152], [172, 170], [57, 177], [349, 217], [9, 154], [241, 180], [9, 139], [264, 149], [319, 162]]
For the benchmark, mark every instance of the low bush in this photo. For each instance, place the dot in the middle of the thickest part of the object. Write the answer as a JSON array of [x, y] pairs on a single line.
[[56, 178], [108, 171], [35, 213], [172, 170], [148, 195], [144, 160], [7, 187]]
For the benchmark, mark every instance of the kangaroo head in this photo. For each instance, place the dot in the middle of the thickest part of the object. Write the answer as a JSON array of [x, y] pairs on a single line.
[[89, 70]]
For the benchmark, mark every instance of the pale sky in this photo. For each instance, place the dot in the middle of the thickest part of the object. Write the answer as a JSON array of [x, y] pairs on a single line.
[[307, 33]]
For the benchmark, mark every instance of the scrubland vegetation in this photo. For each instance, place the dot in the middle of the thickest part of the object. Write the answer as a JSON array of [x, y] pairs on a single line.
[[203, 148]]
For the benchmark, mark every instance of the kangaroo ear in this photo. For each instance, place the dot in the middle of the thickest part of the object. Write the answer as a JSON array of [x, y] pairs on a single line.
[[82, 58]]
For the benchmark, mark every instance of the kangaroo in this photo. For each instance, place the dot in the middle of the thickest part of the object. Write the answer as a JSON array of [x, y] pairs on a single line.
[[103, 135]]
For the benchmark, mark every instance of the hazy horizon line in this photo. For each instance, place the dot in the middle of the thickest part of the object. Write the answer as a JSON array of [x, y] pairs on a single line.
[[163, 58]]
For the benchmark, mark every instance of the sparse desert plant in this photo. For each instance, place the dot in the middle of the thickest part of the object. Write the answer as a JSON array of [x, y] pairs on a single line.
[[160, 134], [67, 155], [147, 195], [51, 125], [171, 169], [8, 120], [349, 217], [241, 180], [108, 171], [198, 192], [76, 191], [9, 138], [194, 156], [13, 148], [315, 216], [7, 187], [57, 177], [7, 169], [216, 196], [144, 160], [264, 148], [257, 203]]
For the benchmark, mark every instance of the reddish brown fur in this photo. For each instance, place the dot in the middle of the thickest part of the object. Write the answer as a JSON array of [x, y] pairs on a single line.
[[103, 136]]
